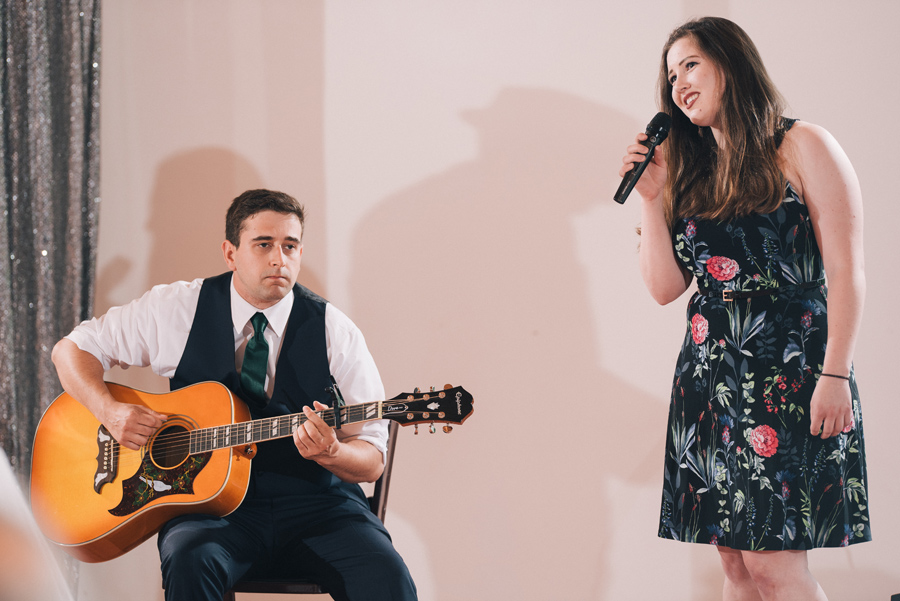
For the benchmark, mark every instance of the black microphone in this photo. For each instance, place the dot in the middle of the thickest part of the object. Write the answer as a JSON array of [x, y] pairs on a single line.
[[657, 130]]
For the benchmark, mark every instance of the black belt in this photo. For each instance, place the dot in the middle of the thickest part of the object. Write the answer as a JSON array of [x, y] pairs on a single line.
[[730, 295]]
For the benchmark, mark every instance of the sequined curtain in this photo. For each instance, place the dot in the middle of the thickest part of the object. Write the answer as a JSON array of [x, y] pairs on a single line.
[[49, 176]]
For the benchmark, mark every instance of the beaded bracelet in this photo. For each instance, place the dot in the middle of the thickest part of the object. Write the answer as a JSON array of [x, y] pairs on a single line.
[[836, 376]]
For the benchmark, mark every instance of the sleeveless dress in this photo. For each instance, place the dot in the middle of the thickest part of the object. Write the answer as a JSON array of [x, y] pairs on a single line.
[[741, 468]]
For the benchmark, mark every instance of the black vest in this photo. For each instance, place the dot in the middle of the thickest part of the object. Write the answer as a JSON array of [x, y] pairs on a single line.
[[301, 374]]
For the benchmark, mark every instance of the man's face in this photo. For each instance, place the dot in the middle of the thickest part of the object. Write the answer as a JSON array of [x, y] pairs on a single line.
[[267, 262]]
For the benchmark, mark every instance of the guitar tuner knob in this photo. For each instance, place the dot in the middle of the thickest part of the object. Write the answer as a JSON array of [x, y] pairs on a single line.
[[432, 389], [448, 429], [448, 386], [416, 432], [432, 429]]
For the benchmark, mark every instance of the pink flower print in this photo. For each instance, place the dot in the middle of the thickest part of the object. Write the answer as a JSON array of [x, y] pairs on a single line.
[[699, 328], [764, 440], [726, 434], [806, 320], [722, 268], [690, 230], [849, 426]]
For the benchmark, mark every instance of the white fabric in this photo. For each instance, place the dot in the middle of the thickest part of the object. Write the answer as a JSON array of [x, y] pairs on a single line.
[[28, 568], [153, 331]]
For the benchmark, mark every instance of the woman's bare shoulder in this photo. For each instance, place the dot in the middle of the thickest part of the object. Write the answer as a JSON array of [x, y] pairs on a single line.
[[806, 148]]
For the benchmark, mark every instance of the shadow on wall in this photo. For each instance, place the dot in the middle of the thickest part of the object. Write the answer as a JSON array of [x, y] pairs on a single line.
[[472, 277], [191, 192]]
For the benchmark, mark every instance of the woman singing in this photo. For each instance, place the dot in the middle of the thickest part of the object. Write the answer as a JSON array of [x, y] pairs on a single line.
[[764, 450]]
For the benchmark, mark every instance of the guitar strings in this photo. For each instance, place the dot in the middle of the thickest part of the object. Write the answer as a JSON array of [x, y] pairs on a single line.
[[261, 430], [180, 443], [165, 443]]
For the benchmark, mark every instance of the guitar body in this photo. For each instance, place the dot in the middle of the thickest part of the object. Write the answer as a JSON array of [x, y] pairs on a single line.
[[99, 500]]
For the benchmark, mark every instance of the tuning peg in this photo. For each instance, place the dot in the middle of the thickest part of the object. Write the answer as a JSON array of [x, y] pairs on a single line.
[[448, 429], [416, 430], [448, 386], [432, 429]]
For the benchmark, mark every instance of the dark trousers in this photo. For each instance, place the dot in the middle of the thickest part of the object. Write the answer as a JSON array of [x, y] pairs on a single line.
[[285, 528]]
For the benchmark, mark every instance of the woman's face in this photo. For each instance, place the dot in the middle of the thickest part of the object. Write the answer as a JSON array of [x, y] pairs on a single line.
[[697, 83]]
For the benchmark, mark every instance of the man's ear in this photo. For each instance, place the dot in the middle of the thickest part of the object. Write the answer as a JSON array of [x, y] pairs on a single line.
[[228, 253]]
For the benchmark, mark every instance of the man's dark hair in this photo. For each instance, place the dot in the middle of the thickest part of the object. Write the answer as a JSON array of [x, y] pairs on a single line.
[[252, 202]]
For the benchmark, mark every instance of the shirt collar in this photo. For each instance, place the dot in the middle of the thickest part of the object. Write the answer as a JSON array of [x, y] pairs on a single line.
[[277, 315]]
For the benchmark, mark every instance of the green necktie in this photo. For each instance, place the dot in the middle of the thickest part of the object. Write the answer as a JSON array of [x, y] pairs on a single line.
[[256, 358]]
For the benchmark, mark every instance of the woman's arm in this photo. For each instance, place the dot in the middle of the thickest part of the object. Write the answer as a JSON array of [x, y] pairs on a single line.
[[664, 276], [818, 166]]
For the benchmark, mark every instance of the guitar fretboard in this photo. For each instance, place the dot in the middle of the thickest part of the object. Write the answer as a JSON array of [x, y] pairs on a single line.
[[219, 437]]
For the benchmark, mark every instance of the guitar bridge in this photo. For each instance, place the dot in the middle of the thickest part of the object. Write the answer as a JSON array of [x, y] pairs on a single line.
[[107, 459]]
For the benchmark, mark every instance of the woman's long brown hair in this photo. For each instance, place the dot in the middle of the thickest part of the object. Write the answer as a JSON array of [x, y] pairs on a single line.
[[741, 175]]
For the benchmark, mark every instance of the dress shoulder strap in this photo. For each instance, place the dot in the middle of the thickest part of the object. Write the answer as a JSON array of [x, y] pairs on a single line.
[[783, 128]]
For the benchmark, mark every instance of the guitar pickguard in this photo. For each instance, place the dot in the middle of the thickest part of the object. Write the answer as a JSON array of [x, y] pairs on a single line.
[[107, 459], [151, 482]]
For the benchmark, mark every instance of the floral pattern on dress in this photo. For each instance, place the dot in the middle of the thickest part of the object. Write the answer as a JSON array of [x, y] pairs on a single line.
[[741, 469]]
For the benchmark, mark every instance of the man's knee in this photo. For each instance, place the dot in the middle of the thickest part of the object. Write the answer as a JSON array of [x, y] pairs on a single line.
[[186, 552], [386, 577], [390, 563]]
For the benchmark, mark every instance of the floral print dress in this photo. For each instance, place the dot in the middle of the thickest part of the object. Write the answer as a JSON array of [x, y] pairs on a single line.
[[741, 468]]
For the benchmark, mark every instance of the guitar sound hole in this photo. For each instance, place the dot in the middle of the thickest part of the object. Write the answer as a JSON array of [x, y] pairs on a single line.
[[170, 447]]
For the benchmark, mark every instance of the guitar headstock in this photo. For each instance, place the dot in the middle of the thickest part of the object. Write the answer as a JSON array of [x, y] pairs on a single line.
[[452, 405]]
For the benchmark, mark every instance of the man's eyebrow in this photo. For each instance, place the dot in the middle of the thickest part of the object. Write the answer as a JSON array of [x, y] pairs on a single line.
[[269, 238]]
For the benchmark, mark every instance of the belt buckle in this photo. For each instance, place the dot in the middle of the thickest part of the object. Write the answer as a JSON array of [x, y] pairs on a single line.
[[728, 295]]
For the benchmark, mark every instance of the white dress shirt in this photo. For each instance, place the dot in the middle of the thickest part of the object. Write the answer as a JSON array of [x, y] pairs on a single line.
[[153, 331]]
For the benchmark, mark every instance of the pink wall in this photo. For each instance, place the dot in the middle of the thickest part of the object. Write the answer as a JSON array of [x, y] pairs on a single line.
[[458, 161]]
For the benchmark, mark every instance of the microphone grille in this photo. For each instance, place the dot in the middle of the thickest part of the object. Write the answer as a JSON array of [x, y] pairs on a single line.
[[659, 126]]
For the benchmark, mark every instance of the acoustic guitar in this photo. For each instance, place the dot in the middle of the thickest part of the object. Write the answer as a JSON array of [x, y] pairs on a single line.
[[98, 500]]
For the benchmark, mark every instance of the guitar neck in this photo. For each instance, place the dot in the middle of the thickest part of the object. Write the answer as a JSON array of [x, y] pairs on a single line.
[[269, 428]]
